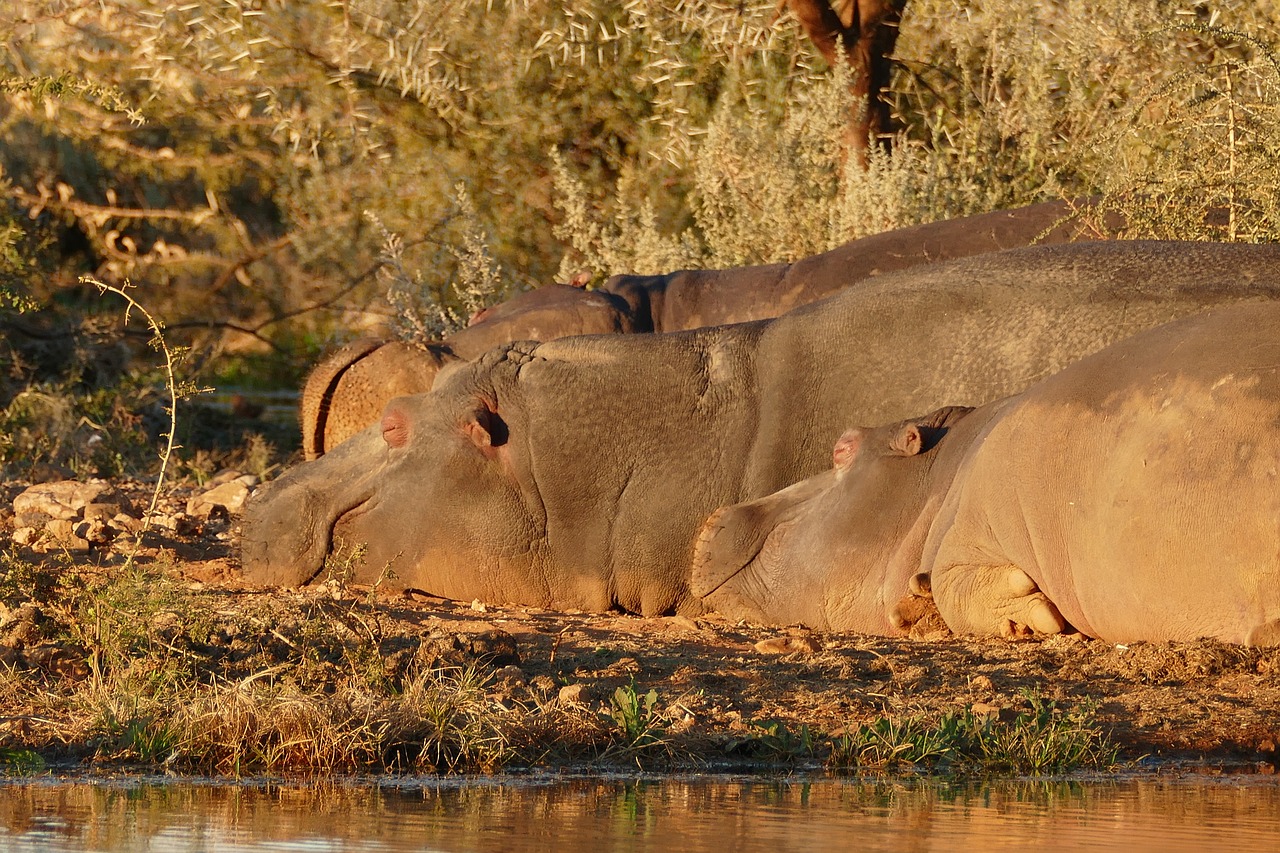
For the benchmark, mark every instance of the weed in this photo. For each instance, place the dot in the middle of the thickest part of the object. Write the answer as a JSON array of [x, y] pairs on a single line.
[[21, 762], [1041, 739], [773, 740], [633, 713]]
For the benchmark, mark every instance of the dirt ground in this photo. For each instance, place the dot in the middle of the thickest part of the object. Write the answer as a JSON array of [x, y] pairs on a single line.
[[1203, 702]]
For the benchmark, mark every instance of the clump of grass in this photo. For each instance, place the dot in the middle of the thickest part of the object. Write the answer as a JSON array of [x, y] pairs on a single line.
[[1040, 739]]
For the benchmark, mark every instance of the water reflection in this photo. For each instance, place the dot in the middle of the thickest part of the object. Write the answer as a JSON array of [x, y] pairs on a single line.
[[724, 815]]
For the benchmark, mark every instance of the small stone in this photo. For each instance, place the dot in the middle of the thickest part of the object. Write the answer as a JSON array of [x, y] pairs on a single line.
[[24, 535], [496, 647], [788, 646], [981, 684], [573, 694], [230, 496], [682, 622], [985, 709], [64, 535], [127, 523], [479, 606], [94, 531]]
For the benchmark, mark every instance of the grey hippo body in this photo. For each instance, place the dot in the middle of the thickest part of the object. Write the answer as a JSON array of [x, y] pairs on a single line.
[[346, 391], [577, 473], [1134, 496]]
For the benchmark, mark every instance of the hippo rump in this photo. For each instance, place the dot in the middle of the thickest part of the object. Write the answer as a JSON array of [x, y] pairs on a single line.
[[577, 473], [346, 392], [1134, 496]]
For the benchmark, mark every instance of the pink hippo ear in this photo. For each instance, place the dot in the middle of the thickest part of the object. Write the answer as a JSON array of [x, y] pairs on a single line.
[[395, 426], [580, 279], [846, 449], [908, 441], [485, 427]]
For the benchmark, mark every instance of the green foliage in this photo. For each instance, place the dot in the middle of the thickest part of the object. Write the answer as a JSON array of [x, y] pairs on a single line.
[[635, 716], [1040, 739], [773, 740], [21, 762]]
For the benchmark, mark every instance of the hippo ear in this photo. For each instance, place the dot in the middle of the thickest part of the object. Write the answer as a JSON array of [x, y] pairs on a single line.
[[913, 439], [846, 449], [580, 279], [485, 427], [908, 441]]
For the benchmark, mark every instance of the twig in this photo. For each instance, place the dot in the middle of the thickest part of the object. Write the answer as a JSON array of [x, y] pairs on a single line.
[[172, 385]]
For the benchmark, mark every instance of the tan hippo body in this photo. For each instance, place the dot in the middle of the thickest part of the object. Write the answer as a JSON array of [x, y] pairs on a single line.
[[1134, 496], [577, 473]]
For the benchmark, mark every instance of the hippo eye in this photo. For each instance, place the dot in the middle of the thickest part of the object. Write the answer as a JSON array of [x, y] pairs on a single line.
[[395, 428]]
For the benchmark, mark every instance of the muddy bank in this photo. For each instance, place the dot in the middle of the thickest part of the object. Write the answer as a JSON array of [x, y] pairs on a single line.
[[98, 654]]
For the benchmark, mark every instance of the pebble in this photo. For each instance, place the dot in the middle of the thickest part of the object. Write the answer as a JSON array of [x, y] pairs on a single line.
[[230, 496], [788, 646]]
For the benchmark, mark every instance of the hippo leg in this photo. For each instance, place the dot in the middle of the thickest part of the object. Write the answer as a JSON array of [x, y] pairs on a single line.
[[1001, 601]]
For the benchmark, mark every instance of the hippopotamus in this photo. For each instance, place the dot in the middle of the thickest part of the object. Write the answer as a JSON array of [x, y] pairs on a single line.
[[1132, 496], [577, 473], [346, 392], [692, 299]]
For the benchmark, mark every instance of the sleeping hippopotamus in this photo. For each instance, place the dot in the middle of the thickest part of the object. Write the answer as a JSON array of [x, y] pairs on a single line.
[[576, 473], [1133, 496], [346, 392], [692, 299]]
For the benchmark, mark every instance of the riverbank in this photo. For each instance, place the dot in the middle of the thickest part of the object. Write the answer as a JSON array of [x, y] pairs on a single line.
[[171, 662]]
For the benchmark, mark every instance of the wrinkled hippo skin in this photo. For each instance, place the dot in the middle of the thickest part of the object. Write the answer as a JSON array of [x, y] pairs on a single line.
[[577, 473], [346, 392], [1132, 496]]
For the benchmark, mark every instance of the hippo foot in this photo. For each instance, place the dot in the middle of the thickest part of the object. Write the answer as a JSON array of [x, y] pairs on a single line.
[[1000, 601], [917, 616]]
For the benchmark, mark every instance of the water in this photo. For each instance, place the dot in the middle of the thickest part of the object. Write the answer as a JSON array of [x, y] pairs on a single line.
[[687, 814]]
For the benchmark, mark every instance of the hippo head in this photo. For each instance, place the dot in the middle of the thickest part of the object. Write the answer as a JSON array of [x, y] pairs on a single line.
[[828, 551], [433, 493]]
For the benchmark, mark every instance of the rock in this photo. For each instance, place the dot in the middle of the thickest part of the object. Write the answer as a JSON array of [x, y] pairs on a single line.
[[496, 648], [61, 500], [573, 694], [788, 646], [230, 496], [509, 677], [95, 532], [24, 535], [683, 623], [127, 523], [64, 535]]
